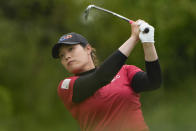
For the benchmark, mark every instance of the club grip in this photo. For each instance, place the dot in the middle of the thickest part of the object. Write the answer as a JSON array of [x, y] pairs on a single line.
[[146, 30], [131, 21]]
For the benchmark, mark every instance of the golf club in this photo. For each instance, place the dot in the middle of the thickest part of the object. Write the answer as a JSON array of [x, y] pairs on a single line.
[[86, 13]]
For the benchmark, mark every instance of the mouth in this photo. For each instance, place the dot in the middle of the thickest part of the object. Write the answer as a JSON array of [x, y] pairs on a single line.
[[70, 62]]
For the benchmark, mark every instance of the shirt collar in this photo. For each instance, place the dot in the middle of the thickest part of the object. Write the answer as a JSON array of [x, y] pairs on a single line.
[[86, 72]]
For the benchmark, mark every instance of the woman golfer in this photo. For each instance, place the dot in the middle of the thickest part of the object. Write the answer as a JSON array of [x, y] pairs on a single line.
[[106, 97]]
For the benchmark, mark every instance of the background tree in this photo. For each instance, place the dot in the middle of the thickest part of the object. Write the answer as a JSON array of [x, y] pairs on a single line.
[[29, 76]]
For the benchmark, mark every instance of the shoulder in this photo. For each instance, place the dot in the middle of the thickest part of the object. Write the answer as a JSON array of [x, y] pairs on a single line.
[[65, 89], [67, 82], [131, 67], [131, 70]]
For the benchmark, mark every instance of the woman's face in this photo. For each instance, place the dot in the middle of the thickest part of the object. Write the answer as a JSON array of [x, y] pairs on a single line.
[[75, 58]]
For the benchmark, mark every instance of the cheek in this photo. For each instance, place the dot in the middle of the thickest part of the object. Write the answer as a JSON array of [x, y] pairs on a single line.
[[81, 56], [84, 58]]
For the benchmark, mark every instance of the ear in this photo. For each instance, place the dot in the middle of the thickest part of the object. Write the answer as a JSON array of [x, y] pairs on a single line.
[[88, 48]]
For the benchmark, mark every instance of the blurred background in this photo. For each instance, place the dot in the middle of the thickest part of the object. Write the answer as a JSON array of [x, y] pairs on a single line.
[[29, 76]]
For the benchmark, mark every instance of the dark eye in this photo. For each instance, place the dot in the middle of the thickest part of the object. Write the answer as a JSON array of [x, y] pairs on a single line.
[[61, 55], [70, 49]]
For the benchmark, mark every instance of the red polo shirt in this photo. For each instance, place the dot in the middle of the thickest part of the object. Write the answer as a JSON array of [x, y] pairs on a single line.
[[114, 107]]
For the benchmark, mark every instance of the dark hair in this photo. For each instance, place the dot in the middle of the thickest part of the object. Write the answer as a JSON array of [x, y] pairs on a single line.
[[93, 55]]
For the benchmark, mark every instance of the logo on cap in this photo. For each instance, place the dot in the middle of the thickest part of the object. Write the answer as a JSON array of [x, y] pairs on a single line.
[[65, 37]]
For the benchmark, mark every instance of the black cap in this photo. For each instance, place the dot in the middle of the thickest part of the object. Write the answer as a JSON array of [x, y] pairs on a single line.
[[68, 39]]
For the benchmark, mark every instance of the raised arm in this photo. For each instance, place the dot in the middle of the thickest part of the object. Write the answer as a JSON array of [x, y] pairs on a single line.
[[151, 79]]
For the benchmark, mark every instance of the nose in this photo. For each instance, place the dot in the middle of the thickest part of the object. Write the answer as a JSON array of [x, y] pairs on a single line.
[[67, 57]]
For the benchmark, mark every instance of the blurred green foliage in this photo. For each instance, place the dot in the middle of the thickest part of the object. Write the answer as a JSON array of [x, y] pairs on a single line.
[[29, 76]]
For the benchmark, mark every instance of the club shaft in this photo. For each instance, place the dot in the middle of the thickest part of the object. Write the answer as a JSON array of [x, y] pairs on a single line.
[[105, 10], [115, 14]]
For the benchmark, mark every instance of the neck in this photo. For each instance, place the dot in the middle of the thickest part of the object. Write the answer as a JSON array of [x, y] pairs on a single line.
[[87, 67], [86, 72]]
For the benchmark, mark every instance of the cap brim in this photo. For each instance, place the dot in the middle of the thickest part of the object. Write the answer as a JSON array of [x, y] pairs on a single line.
[[68, 43], [55, 49]]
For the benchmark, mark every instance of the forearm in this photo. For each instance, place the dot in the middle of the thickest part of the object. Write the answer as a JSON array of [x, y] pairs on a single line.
[[150, 53], [151, 79], [128, 46]]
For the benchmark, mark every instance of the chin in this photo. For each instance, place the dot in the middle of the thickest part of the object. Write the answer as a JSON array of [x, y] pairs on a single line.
[[75, 69]]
